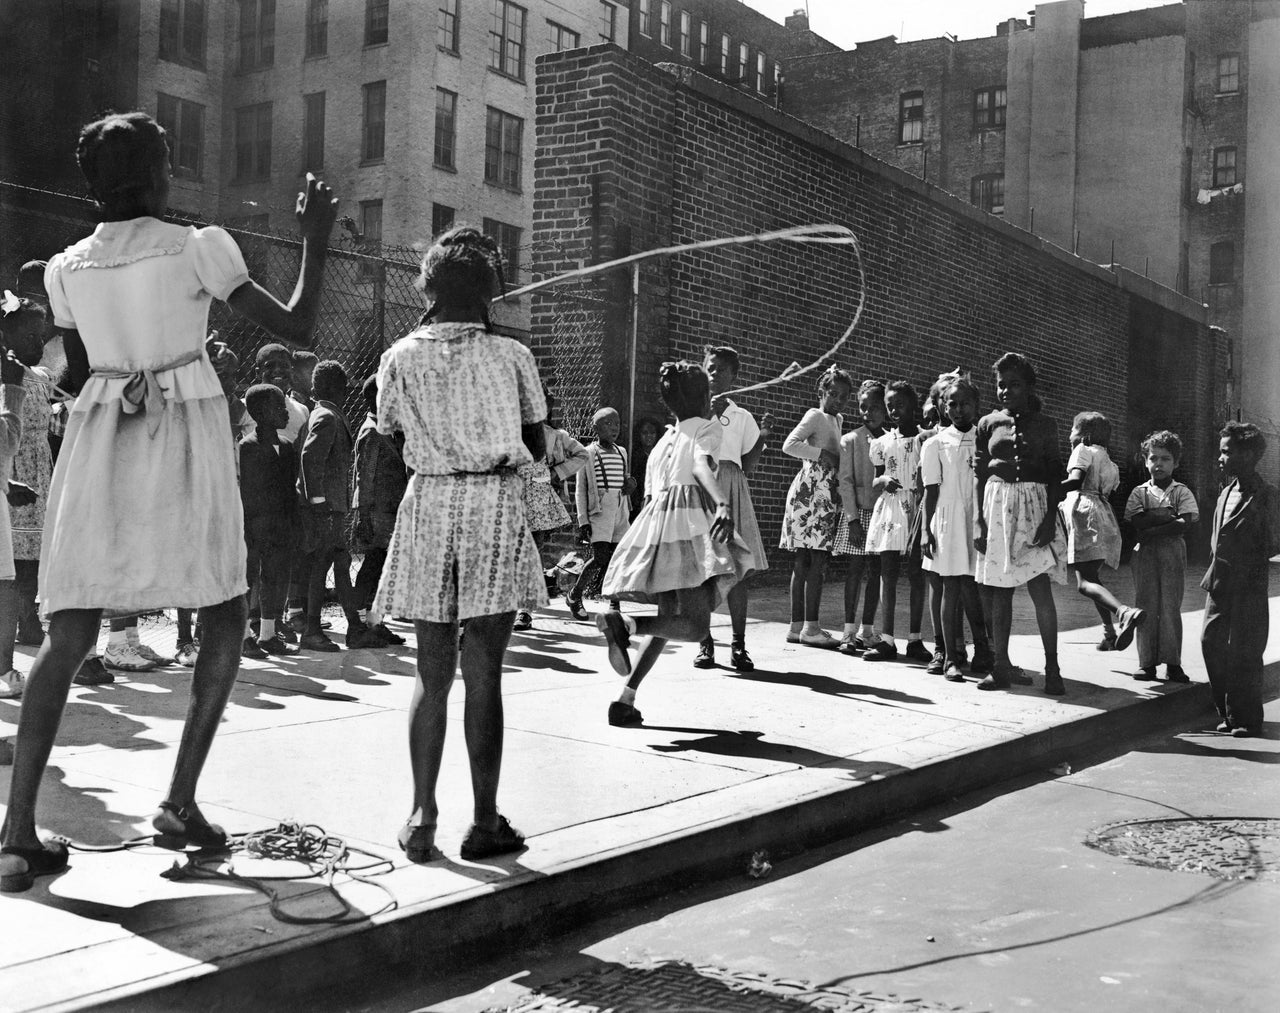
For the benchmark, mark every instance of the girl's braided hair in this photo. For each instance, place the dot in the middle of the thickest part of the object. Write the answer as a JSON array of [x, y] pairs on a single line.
[[463, 267], [119, 156], [834, 375], [684, 387]]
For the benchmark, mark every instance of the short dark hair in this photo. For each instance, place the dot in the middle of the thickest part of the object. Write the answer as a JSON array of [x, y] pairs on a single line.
[[1015, 362], [726, 353], [834, 375], [463, 267], [1095, 425], [25, 310], [903, 387], [965, 384], [1166, 440], [272, 351], [31, 280], [330, 378], [370, 390], [301, 357], [1246, 436], [684, 387], [119, 155], [869, 386], [258, 398]]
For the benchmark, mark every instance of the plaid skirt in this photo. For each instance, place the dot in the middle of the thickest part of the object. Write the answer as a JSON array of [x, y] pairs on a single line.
[[843, 546]]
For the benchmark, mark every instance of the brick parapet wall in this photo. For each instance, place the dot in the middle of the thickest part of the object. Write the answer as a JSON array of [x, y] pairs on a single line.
[[678, 158]]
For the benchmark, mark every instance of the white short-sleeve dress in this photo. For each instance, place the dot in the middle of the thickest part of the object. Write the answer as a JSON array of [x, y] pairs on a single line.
[[946, 460], [1092, 531], [143, 507]]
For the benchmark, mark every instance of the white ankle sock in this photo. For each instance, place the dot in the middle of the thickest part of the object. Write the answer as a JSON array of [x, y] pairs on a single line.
[[913, 636], [118, 638], [867, 633], [887, 638], [630, 623], [248, 630], [797, 627], [131, 634], [811, 628], [628, 696], [850, 629], [268, 629]]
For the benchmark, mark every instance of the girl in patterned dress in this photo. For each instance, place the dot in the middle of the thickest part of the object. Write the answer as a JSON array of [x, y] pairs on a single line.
[[1093, 536], [896, 457], [143, 510], [813, 506], [1018, 467], [681, 552], [470, 406]]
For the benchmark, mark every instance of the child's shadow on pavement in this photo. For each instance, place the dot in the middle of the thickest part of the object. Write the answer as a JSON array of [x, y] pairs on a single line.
[[753, 745], [830, 686]]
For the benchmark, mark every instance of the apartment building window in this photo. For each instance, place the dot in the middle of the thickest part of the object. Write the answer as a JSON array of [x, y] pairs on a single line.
[[1228, 73], [447, 27], [313, 131], [374, 137], [646, 17], [506, 39], [183, 121], [377, 17], [725, 45], [762, 84], [446, 127], [989, 107], [686, 34], [257, 34], [508, 239], [911, 117], [1222, 263], [253, 142], [704, 43], [664, 25], [317, 43], [182, 32], [561, 38], [987, 192], [371, 226], [1224, 167], [744, 54], [502, 140], [442, 218], [608, 21]]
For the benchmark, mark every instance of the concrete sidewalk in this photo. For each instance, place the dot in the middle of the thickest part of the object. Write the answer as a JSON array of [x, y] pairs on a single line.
[[809, 747]]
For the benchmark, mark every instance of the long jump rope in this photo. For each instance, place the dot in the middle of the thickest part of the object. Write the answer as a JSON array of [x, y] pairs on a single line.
[[325, 856]]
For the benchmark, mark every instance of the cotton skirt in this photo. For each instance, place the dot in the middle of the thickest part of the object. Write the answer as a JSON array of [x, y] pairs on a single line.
[[844, 546], [1013, 511], [893, 520], [812, 510], [733, 483], [461, 548], [669, 548], [1092, 531], [138, 522], [543, 508]]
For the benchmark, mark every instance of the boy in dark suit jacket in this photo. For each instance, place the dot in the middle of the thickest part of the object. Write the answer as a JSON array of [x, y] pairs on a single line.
[[326, 498], [1246, 534]]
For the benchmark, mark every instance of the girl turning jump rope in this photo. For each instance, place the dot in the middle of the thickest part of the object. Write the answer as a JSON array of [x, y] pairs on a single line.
[[143, 511], [681, 551]]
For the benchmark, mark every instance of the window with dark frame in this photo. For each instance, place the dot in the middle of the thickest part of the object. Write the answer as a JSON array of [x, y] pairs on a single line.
[[989, 107], [744, 57], [313, 131], [987, 192], [442, 218], [911, 117], [183, 121], [253, 142], [1222, 263], [686, 34], [377, 20], [508, 240], [371, 226], [257, 34], [725, 46], [506, 39], [317, 43], [446, 128], [646, 17], [664, 23], [503, 137], [762, 83], [608, 21], [1228, 73], [447, 28], [1224, 167], [183, 32], [373, 146], [561, 38], [704, 44]]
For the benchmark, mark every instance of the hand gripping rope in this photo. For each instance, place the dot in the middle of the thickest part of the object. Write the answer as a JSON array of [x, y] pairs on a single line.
[[838, 235]]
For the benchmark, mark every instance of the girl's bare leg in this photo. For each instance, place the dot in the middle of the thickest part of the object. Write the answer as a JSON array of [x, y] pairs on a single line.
[[482, 721], [429, 713]]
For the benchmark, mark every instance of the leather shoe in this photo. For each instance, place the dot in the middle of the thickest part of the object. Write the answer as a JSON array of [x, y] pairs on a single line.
[[317, 642]]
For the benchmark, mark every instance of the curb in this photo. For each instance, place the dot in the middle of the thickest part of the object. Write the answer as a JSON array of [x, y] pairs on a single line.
[[428, 938]]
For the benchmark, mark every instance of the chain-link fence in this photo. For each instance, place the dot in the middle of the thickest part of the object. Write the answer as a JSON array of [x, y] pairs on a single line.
[[368, 300]]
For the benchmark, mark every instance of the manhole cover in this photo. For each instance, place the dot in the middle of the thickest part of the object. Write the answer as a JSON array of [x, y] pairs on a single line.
[[1228, 848], [678, 987]]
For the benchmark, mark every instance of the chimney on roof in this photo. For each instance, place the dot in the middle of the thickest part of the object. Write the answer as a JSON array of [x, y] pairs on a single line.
[[797, 21], [1012, 25]]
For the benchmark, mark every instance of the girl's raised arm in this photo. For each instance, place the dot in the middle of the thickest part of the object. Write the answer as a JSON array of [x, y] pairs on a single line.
[[293, 322]]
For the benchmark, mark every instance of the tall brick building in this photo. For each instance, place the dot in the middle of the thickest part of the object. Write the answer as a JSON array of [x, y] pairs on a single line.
[[1148, 139]]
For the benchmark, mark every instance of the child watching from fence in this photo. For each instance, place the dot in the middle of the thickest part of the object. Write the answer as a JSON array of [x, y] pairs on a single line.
[[812, 508], [858, 495], [1161, 511], [602, 495], [682, 552]]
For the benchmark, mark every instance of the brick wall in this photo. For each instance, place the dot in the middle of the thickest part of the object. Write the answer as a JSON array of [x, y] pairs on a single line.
[[632, 157]]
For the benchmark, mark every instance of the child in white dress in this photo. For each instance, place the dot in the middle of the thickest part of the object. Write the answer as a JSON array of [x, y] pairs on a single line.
[[1093, 536], [681, 552], [143, 510], [950, 498], [896, 458]]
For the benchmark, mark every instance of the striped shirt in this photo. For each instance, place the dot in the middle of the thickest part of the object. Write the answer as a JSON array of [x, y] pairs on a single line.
[[611, 469]]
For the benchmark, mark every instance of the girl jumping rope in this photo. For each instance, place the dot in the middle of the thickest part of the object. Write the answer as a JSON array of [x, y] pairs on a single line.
[[143, 509], [813, 506], [681, 551], [1093, 536]]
